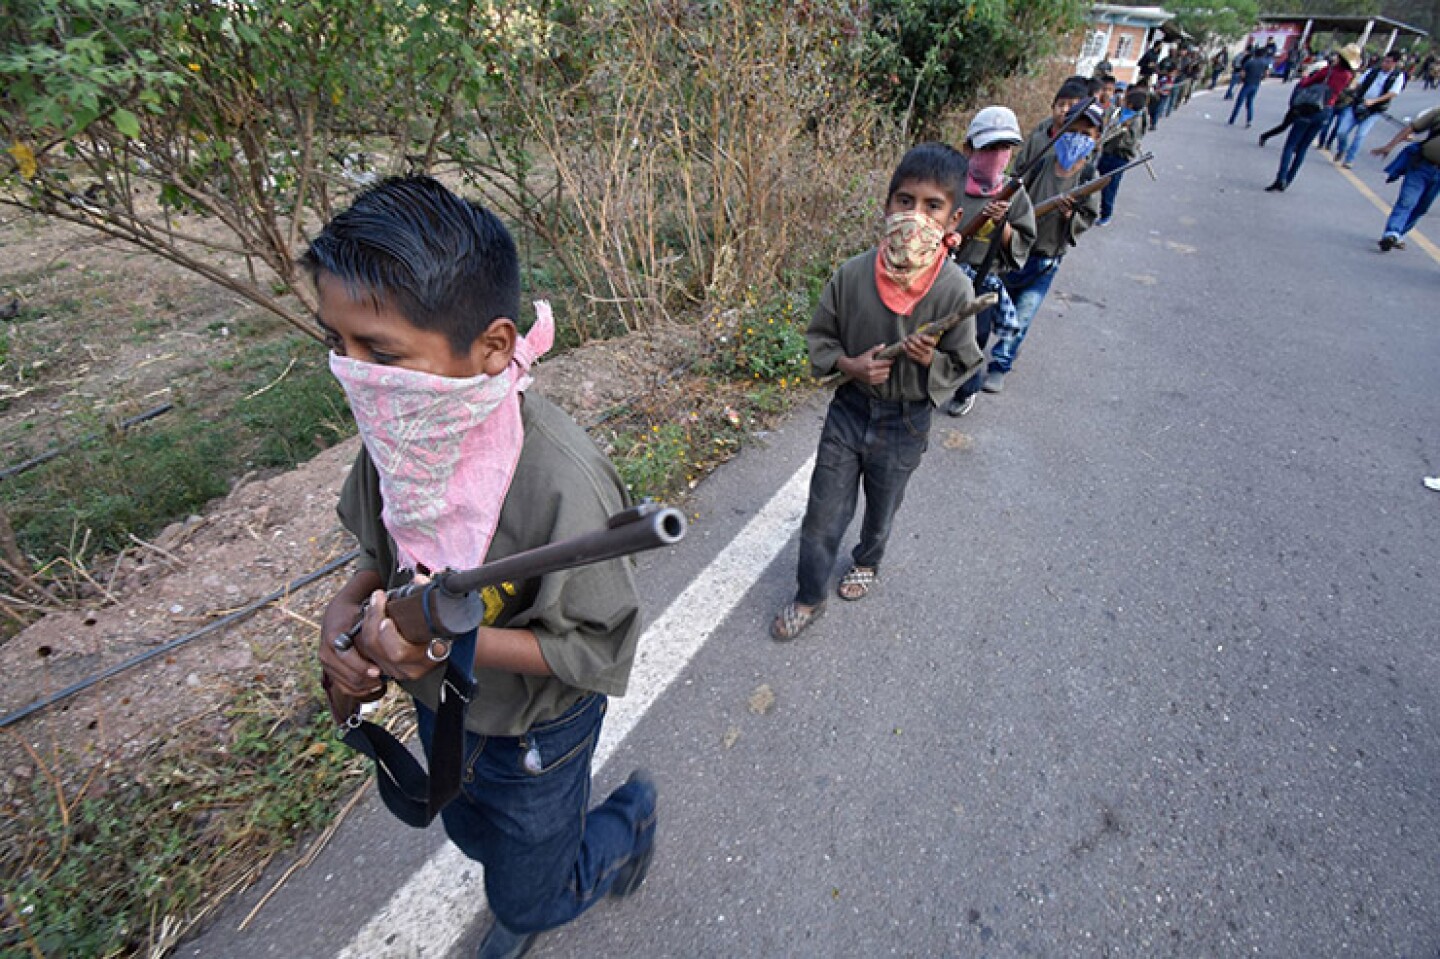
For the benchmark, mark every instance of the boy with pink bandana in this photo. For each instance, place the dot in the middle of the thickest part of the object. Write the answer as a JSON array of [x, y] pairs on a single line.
[[462, 464], [878, 423]]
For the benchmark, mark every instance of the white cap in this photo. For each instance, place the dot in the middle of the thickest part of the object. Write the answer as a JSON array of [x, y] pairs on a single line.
[[993, 125]]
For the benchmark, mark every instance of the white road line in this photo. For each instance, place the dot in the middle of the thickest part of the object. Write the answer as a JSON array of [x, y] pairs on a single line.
[[428, 914]]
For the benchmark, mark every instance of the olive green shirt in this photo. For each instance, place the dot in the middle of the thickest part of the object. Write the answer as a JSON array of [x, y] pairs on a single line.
[[1054, 232], [1036, 142], [851, 318], [1123, 139], [1021, 217], [587, 619]]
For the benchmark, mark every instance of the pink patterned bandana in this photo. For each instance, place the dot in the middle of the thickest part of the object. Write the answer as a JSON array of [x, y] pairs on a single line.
[[445, 448]]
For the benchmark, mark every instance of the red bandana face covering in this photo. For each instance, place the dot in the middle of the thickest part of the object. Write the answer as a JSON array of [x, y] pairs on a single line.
[[909, 259]]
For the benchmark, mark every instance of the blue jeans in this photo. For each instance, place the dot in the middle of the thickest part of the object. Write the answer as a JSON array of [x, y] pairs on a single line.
[[866, 442], [1417, 192], [1349, 134], [546, 858], [1332, 123], [1247, 99], [1109, 162], [1230, 90], [1297, 141], [1028, 286]]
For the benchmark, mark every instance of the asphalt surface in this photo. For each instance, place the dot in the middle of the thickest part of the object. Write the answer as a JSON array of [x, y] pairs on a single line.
[[1152, 666]]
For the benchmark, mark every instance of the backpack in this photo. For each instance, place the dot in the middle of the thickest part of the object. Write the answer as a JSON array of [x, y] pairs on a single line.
[[1311, 99]]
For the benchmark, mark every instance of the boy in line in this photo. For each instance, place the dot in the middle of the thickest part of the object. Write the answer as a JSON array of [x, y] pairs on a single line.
[[1068, 167], [989, 143], [878, 423], [1120, 144], [1071, 92], [461, 464]]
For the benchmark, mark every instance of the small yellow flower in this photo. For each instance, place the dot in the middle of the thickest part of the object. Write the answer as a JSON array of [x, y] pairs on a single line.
[[194, 67], [25, 160]]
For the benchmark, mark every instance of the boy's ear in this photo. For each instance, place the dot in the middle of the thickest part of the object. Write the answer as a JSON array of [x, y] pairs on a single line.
[[956, 212], [493, 350]]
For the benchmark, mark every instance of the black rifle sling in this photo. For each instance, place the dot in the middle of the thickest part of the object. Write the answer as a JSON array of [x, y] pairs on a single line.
[[412, 795]]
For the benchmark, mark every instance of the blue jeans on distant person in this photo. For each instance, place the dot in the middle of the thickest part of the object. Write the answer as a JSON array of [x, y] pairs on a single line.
[[1234, 79], [1349, 134], [546, 858], [1417, 192], [1110, 162], [869, 443], [1247, 99], [1297, 141], [1332, 124], [1028, 286]]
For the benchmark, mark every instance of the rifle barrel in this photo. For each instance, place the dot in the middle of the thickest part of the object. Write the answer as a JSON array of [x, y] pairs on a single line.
[[450, 604]]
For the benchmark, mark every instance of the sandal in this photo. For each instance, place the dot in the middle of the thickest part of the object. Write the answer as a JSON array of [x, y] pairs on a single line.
[[792, 621], [856, 583]]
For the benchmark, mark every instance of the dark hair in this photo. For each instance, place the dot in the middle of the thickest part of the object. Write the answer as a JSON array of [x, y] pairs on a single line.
[[444, 263], [937, 163], [1135, 98], [1075, 88]]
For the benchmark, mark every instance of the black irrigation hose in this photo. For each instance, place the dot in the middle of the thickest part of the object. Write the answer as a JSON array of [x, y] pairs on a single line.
[[220, 623], [49, 455]]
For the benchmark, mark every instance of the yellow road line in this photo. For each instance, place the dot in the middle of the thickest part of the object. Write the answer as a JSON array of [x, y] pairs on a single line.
[[1419, 238]]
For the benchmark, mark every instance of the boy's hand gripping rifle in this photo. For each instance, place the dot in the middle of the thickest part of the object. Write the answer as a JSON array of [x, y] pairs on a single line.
[[1092, 186], [938, 328], [450, 604], [449, 607]]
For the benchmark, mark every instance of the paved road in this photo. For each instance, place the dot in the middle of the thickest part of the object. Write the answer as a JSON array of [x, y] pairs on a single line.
[[1153, 666]]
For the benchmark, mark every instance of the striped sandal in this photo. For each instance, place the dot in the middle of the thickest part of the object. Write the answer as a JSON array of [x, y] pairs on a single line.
[[792, 621], [856, 583]]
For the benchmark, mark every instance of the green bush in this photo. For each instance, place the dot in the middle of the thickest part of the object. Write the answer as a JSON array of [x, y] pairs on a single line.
[[763, 340]]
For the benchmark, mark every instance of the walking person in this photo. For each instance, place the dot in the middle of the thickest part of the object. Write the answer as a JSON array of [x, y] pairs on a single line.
[[1419, 164], [1290, 110], [1376, 89], [1218, 63], [1118, 146], [878, 424], [1070, 166], [1254, 70], [1236, 70], [1332, 80], [1009, 225], [461, 463]]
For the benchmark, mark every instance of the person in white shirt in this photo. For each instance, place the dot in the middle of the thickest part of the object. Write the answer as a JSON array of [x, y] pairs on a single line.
[[1377, 87]]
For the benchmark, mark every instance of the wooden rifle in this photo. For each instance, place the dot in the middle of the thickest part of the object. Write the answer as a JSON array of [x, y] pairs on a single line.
[[938, 328], [1085, 189]]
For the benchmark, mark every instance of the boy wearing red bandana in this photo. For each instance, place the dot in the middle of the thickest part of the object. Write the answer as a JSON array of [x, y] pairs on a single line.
[[878, 422]]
